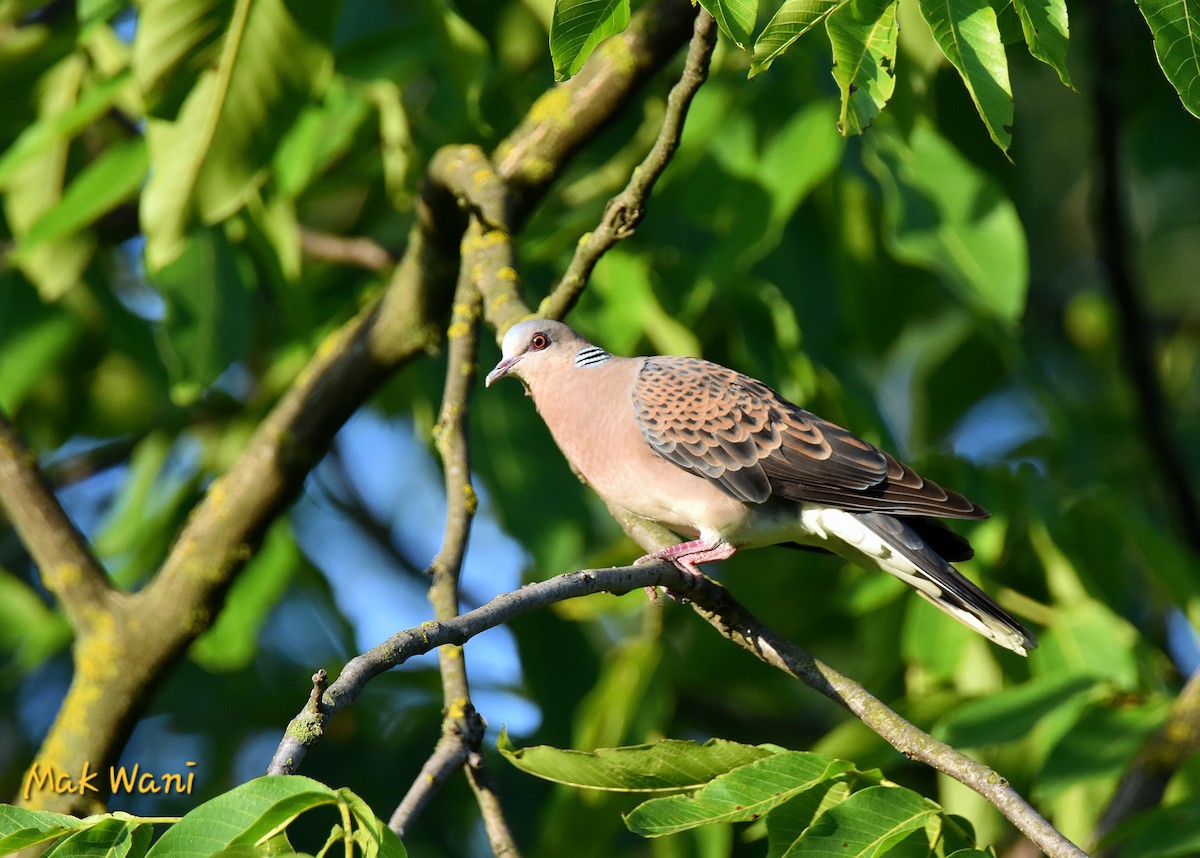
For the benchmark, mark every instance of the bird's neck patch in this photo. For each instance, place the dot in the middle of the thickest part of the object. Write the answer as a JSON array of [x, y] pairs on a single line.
[[591, 356]]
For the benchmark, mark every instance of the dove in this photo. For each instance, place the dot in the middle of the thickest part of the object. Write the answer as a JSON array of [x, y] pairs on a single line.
[[726, 463]]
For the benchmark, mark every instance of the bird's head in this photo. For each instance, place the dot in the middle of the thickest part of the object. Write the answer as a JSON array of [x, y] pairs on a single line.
[[536, 348]]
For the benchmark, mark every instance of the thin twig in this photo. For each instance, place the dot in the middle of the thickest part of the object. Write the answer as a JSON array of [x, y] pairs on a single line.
[[626, 210], [462, 727], [731, 619], [109, 688], [68, 568], [355, 251], [448, 756]]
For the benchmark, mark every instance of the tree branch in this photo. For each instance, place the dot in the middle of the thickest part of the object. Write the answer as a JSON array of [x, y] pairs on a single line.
[[157, 624], [68, 568], [625, 211], [731, 619], [462, 727], [355, 251]]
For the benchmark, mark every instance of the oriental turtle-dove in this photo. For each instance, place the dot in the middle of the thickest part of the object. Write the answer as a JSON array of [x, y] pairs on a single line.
[[727, 463]]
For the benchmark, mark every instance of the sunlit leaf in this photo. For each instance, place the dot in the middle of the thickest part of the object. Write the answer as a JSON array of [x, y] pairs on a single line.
[[1176, 28], [34, 171], [1009, 714], [670, 764], [174, 37], [1100, 745], [748, 792], [1044, 24], [110, 180], [969, 36], [251, 813], [735, 17], [20, 827], [210, 158], [109, 838], [946, 215], [868, 823], [863, 36], [792, 20], [578, 26]]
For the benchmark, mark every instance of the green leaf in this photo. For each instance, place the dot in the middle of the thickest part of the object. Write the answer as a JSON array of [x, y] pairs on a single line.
[[232, 641], [1089, 637], [208, 311], [28, 628], [863, 36], [970, 38], [792, 818], [35, 337], [736, 18], [1176, 28], [1163, 832], [1044, 24], [945, 215], [34, 170], [321, 134], [373, 837], [64, 121], [578, 26], [603, 717], [108, 838], [100, 187], [254, 812], [1009, 714], [789, 179], [1099, 745], [213, 156], [175, 39], [866, 824], [746, 793], [670, 764], [792, 20], [20, 828]]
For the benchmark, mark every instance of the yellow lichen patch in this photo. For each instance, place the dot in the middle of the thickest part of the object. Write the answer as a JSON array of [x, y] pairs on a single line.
[[62, 576], [499, 301], [554, 107], [305, 731], [616, 54], [494, 237], [537, 170], [508, 273], [453, 651], [457, 708], [470, 498]]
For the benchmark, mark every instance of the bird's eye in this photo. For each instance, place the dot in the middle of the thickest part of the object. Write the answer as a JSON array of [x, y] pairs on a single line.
[[539, 341]]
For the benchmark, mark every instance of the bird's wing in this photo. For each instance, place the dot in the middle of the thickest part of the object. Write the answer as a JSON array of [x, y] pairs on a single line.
[[742, 436], [941, 584]]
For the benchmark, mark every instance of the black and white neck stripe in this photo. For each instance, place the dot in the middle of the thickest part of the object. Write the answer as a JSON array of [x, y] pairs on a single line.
[[591, 356]]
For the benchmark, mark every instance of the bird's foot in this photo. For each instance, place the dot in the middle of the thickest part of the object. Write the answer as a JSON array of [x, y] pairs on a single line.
[[687, 557]]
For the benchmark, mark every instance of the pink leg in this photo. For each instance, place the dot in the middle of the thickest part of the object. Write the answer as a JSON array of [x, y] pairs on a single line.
[[687, 556]]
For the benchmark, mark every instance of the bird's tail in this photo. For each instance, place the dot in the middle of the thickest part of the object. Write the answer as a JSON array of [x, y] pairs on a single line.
[[936, 580]]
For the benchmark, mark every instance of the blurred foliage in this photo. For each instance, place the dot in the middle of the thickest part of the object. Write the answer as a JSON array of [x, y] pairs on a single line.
[[160, 164]]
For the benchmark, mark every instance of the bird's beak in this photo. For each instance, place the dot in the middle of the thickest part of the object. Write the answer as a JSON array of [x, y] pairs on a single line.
[[502, 369]]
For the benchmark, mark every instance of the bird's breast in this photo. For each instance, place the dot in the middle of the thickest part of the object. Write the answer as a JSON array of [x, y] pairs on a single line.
[[595, 428]]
